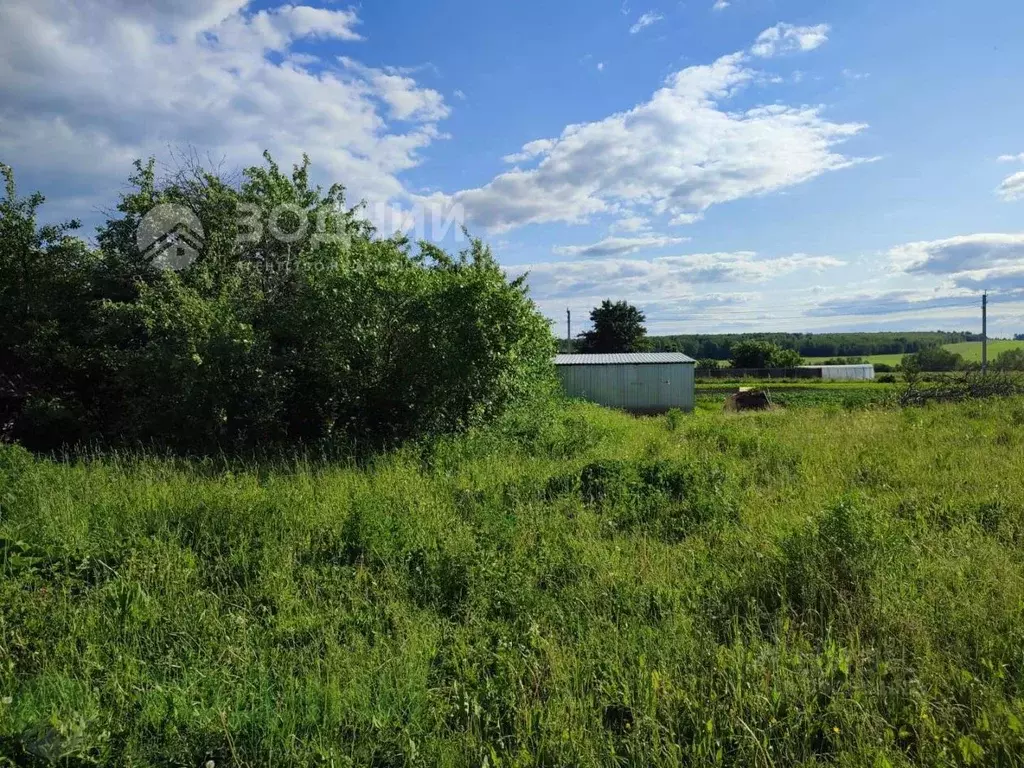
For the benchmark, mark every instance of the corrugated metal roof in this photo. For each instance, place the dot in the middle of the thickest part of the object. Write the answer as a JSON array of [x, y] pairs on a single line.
[[626, 358]]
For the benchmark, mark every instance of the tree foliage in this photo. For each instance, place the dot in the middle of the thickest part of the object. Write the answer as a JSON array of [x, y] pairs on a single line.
[[617, 327], [1010, 360], [932, 359], [763, 354], [329, 335]]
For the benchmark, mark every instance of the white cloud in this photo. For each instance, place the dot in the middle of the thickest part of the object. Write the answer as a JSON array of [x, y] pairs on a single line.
[[619, 246], [720, 5], [530, 151], [460, 94], [660, 279], [889, 303], [1012, 158], [1012, 187], [679, 153], [407, 101], [632, 224], [959, 254], [600, 66], [649, 18], [87, 86], [1003, 280], [786, 38], [295, 21]]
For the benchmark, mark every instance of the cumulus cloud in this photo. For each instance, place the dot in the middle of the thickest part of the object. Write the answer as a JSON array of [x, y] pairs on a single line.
[[959, 254], [786, 38], [720, 5], [87, 86], [678, 154], [530, 151], [406, 99], [1012, 158], [1012, 187], [619, 246], [645, 21]]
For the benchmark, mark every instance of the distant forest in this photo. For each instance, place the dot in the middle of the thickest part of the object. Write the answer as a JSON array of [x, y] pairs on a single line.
[[718, 346]]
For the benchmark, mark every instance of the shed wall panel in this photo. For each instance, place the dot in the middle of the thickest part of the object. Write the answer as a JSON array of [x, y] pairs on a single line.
[[639, 388]]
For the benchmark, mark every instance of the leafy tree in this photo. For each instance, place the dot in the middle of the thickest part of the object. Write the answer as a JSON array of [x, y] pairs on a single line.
[[617, 327], [763, 354], [752, 354], [335, 337], [45, 316], [932, 359], [786, 358], [1010, 360], [708, 364]]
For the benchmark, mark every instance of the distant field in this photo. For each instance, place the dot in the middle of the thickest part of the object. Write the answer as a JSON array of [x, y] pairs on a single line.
[[971, 350]]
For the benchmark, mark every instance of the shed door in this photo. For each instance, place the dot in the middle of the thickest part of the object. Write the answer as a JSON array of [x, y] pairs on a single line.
[[637, 390], [666, 396]]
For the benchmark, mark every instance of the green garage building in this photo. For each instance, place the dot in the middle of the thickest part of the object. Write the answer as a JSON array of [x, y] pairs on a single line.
[[639, 382]]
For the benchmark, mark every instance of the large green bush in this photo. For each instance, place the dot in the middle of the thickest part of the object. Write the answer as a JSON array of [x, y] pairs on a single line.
[[337, 337], [933, 359], [763, 354]]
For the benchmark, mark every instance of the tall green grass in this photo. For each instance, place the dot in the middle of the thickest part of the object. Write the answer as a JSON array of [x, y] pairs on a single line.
[[573, 587]]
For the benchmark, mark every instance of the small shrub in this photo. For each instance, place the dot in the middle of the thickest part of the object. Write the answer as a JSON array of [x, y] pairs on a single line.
[[674, 419], [610, 480], [669, 498], [829, 563]]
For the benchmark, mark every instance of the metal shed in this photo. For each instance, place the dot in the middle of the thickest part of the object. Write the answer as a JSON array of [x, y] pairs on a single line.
[[641, 382]]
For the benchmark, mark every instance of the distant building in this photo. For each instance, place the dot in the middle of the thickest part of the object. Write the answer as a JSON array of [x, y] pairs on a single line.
[[639, 382], [864, 372]]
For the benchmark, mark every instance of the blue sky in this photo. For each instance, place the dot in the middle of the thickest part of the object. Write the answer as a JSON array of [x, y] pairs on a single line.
[[755, 164]]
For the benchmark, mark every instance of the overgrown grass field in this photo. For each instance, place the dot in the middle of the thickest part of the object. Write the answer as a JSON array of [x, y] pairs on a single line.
[[577, 587]]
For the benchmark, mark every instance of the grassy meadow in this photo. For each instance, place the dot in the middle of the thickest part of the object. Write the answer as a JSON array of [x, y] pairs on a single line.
[[813, 585], [971, 350]]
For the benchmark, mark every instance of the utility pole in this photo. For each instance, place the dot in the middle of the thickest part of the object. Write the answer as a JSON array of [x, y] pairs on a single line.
[[984, 333], [568, 327]]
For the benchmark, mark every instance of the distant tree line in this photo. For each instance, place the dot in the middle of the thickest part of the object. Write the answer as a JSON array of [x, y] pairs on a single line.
[[827, 345]]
